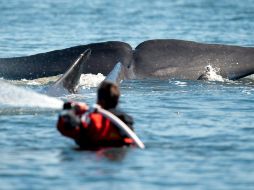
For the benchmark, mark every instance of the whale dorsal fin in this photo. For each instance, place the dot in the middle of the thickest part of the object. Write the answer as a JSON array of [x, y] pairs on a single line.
[[70, 79], [116, 75]]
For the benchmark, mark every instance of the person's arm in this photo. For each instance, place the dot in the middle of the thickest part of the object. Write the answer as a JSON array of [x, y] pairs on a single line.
[[69, 121], [79, 108], [68, 124]]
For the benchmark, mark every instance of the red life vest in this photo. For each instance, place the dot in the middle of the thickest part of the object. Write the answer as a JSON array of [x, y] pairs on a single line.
[[96, 130]]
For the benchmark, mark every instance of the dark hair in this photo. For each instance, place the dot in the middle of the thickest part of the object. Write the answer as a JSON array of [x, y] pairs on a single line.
[[108, 95]]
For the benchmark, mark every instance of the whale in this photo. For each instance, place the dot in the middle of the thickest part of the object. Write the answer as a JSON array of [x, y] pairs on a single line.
[[151, 59], [178, 59], [102, 60]]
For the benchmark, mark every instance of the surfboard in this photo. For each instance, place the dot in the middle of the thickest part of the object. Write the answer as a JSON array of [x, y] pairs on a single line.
[[121, 125]]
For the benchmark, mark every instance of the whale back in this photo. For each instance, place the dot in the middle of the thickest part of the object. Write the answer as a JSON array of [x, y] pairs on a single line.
[[188, 60], [103, 59]]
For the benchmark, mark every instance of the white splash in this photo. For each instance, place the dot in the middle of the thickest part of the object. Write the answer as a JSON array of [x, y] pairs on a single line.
[[250, 77], [90, 80], [180, 83], [211, 74], [35, 82], [15, 96]]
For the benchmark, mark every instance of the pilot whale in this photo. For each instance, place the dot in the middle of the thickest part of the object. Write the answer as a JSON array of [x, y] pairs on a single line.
[[159, 59]]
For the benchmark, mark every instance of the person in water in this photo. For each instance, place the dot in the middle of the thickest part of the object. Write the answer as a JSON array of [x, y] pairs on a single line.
[[90, 129]]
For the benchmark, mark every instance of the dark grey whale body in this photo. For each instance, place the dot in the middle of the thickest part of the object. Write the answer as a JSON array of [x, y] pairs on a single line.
[[158, 59], [103, 58], [188, 60]]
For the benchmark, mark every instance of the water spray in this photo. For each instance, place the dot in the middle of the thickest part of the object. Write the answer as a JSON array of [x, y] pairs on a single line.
[[14, 96]]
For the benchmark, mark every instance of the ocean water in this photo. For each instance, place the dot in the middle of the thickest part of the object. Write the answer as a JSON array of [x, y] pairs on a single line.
[[198, 135]]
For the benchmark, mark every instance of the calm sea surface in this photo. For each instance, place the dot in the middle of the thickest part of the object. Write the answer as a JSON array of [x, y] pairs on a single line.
[[199, 135]]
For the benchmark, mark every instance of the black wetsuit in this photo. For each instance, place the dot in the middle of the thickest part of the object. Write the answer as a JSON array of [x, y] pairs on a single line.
[[127, 119]]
